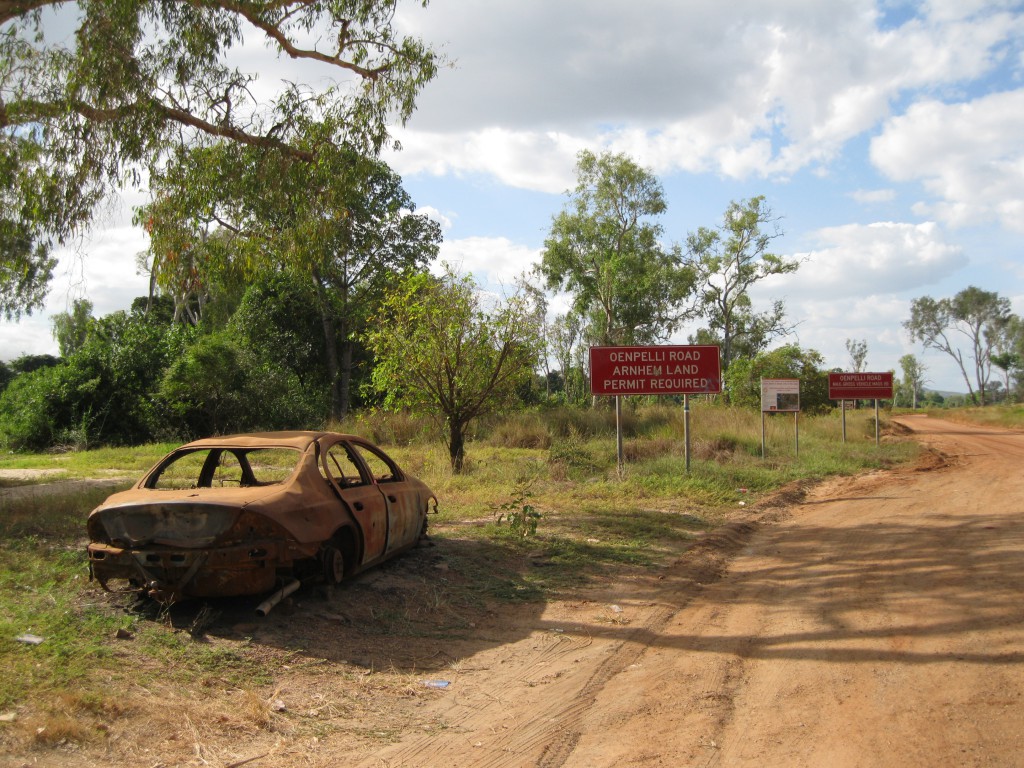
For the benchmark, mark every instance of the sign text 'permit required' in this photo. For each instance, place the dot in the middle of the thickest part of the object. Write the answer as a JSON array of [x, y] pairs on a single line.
[[661, 370]]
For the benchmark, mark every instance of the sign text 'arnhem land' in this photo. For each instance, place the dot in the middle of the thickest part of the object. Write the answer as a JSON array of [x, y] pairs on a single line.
[[662, 370]]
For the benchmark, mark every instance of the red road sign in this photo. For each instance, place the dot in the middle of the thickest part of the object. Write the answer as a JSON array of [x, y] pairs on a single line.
[[860, 386], [661, 370]]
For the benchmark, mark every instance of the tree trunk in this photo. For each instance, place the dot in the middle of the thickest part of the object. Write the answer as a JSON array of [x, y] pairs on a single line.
[[333, 366], [330, 348], [456, 446], [346, 377]]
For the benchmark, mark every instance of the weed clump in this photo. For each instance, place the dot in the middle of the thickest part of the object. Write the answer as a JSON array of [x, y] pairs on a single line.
[[569, 458]]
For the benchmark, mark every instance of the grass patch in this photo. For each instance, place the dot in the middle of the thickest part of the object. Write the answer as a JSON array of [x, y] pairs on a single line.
[[594, 524], [45, 593], [95, 463], [1009, 416]]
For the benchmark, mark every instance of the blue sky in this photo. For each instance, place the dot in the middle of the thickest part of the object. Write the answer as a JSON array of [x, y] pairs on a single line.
[[888, 137]]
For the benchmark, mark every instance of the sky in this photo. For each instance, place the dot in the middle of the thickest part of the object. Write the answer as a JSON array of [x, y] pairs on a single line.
[[887, 137]]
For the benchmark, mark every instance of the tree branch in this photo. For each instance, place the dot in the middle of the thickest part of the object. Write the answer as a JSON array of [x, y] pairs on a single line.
[[274, 32], [30, 111]]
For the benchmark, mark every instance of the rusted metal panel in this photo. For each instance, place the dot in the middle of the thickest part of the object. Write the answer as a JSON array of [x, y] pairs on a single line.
[[367, 506], [406, 512], [169, 574], [174, 537]]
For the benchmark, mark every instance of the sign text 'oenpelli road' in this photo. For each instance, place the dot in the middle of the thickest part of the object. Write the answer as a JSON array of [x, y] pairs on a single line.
[[661, 370], [860, 386]]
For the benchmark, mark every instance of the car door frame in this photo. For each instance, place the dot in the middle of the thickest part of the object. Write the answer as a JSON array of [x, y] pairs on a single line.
[[404, 518], [364, 501]]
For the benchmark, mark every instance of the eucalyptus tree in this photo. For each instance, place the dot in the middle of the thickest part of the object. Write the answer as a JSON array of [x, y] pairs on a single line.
[[973, 316], [344, 224], [1008, 350], [913, 378], [70, 329], [604, 249], [727, 261], [87, 112], [858, 351], [565, 338]]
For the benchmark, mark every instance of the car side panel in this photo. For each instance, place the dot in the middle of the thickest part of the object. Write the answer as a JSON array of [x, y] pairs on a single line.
[[405, 515], [355, 486], [366, 503]]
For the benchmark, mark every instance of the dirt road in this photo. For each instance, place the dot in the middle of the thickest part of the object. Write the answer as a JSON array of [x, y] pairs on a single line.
[[877, 622], [874, 622]]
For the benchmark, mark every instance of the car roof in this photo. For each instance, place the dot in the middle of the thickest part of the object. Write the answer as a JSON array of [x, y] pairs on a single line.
[[295, 439]]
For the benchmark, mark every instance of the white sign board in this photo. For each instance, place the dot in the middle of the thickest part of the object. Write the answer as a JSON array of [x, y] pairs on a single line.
[[780, 395]]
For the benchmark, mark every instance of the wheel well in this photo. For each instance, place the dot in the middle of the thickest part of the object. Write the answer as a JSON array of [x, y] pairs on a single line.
[[345, 540]]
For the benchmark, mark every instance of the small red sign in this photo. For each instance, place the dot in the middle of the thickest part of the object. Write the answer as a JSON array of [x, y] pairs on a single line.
[[661, 370], [860, 386]]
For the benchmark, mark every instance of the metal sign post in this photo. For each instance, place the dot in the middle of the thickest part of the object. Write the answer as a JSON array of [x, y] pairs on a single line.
[[860, 386], [780, 396], [655, 370], [620, 458], [876, 422], [686, 430]]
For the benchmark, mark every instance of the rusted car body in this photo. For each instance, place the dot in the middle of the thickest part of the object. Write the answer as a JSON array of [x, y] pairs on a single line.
[[244, 514]]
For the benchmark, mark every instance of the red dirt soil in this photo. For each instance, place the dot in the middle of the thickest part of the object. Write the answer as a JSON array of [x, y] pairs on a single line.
[[876, 621], [879, 622]]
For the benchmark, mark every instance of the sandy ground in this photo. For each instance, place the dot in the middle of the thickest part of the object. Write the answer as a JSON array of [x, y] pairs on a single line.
[[879, 622], [876, 621]]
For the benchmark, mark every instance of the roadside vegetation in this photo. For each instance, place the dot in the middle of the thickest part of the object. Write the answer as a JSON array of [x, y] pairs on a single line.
[[1010, 416], [539, 489], [292, 285]]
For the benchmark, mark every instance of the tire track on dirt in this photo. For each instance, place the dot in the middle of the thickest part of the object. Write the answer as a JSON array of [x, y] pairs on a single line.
[[547, 728]]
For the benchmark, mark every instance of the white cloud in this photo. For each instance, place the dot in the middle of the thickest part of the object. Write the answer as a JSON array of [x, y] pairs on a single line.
[[492, 261], [101, 270], [742, 89], [857, 260], [527, 160], [443, 219], [970, 156]]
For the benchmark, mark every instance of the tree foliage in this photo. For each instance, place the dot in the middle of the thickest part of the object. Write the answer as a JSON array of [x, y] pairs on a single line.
[[70, 329], [343, 224], [1008, 350], [565, 339], [727, 261], [973, 316], [743, 379], [858, 351], [439, 350], [99, 394], [911, 388], [138, 78], [138, 377], [604, 249]]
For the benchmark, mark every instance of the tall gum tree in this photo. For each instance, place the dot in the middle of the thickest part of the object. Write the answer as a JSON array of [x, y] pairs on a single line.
[[974, 316], [913, 378], [727, 261], [85, 113], [344, 223], [1008, 350], [604, 249]]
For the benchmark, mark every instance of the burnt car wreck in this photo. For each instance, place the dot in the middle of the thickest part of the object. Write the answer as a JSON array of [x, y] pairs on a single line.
[[247, 514]]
